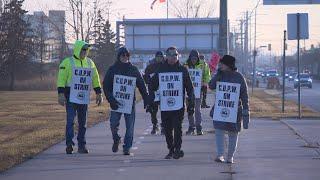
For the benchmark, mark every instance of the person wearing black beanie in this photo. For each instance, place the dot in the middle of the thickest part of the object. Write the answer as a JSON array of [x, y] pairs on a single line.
[[227, 73]]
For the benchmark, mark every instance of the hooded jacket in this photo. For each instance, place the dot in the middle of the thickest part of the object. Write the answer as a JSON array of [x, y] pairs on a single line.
[[65, 70], [206, 75], [125, 69]]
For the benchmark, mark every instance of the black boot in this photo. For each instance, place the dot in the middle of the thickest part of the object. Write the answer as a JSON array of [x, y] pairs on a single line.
[[190, 131], [115, 146], [178, 154], [154, 129], [69, 149], [169, 155], [83, 150]]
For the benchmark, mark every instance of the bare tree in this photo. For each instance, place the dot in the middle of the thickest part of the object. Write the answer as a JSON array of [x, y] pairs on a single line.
[[192, 8], [84, 16]]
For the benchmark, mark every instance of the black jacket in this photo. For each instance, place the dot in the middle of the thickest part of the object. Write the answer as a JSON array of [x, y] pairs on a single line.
[[187, 83], [125, 69], [150, 70]]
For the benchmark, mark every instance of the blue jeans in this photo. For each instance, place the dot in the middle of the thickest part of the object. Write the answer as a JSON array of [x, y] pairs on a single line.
[[196, 119], [114, 125], [73, 110], [232, 145]]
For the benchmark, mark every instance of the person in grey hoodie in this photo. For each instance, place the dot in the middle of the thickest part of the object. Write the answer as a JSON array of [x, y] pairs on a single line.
[[228, 73]]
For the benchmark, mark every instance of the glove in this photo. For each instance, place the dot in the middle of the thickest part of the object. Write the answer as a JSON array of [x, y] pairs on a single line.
[[114, 104], [61, 99], [246, 118], [99, 99]]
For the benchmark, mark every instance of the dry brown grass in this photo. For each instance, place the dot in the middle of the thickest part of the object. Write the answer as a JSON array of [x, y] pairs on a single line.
[[264, 105], [32, 121]]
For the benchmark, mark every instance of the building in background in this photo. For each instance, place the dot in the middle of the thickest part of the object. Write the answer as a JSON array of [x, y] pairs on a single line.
[[49, 35], [143, 37]]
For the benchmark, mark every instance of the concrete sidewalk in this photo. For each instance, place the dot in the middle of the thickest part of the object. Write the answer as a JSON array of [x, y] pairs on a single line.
[[268, 150]]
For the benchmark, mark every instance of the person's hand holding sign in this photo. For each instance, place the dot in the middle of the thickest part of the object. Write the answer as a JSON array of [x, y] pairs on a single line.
[[99, 99], [114, 104], [246, 118]]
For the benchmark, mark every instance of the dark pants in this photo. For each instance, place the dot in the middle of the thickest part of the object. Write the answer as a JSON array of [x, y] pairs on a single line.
[[81, 111], [172, 124], [154, 111], [204, 90]]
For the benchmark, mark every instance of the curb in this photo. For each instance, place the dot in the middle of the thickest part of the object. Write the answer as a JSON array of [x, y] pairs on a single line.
[[308, 144]]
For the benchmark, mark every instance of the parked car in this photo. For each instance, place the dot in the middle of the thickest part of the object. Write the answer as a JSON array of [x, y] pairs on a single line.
[[305, 80]]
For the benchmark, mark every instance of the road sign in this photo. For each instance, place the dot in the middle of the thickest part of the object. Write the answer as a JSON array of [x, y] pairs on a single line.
[[292, 26], [290, 2]]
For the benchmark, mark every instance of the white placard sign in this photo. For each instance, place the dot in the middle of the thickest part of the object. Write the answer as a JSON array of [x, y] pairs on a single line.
[[196, 78], [123, 90], [227, 100], [171, 92], [80, 86]]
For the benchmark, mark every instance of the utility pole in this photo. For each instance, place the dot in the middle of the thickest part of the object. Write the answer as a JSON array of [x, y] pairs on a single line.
[[246, 39], [255, 50], [241, 45], [223, 28], [284, 69]]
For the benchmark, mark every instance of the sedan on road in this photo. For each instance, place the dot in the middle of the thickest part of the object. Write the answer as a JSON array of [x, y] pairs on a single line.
[[305, 80]]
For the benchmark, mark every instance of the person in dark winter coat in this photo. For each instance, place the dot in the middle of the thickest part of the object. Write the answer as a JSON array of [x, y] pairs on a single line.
[[149, 73], [194, 64], [172, 79], [124, 73], [228, 73]]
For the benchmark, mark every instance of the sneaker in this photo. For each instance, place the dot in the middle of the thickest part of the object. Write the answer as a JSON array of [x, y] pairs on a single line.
[[169, 156], [83, 150], [69, 149], [126, 152], [190, 131], [154, 130], [199, 132], [115, 146], [219, 159], [178, 154]]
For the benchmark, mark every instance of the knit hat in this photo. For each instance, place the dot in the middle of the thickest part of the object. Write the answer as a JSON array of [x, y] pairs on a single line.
[[121, 51], [229, 61], [159, 54]]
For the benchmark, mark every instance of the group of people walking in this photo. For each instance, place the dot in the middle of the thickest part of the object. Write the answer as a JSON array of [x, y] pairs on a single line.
[[167, 85]]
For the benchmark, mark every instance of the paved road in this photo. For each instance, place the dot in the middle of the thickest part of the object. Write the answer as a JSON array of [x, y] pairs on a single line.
[[268, 150], [309, 97]]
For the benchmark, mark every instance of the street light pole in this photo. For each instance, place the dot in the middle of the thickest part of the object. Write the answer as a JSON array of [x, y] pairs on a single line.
[[254, 51]]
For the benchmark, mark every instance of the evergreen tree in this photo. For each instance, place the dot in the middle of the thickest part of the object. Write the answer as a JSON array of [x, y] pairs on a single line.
[[104, 44], [16, 41]]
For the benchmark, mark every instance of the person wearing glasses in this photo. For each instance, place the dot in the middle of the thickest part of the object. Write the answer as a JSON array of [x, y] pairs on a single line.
[[149, 73], [76, 76], [119, 86], [172, 79]]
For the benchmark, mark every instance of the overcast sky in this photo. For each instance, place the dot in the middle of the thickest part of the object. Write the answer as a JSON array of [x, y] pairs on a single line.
[[271, 20]]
